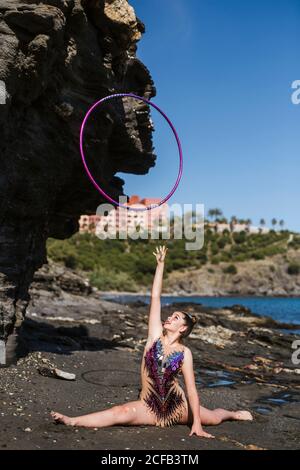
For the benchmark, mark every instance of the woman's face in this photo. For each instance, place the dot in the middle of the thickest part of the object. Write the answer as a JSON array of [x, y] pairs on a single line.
[[175, 322]]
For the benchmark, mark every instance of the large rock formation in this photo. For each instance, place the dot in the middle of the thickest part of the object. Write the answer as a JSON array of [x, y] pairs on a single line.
[[57, 58]]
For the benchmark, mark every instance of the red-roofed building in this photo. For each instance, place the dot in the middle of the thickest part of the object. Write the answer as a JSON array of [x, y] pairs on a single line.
[[127, 220]]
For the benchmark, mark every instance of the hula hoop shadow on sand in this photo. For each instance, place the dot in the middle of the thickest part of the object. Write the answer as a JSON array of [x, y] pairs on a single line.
[[95, 377]]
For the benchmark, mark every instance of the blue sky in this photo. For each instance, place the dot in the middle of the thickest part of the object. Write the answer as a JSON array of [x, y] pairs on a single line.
[[223, 71]]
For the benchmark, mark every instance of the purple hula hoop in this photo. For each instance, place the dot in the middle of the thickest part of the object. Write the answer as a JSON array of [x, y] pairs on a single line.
[[120, 95]]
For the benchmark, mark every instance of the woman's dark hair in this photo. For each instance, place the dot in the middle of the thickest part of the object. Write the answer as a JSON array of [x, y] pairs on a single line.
[[190, 321]]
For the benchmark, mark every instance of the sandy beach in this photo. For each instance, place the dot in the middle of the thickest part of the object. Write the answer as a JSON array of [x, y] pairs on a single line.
[[242, 361]]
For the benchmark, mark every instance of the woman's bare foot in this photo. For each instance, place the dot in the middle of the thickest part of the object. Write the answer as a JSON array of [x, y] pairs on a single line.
[[59, 418], [243, 415]]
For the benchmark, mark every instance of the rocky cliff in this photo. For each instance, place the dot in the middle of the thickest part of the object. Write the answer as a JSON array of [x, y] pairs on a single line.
[[57, 58]]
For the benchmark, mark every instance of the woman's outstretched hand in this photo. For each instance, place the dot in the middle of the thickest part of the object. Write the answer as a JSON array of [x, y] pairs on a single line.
[[160, 253], [196, 429]]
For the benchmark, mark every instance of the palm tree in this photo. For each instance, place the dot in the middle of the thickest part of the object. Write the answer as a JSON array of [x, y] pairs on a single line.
[[281, 223], [274, 222], [262, 222], [214, 213], [233, 221], [211, 213], [191, 215], [248, 223], [218, 212]]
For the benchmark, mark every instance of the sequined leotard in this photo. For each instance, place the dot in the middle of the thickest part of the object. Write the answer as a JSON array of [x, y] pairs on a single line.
[[160, 388]]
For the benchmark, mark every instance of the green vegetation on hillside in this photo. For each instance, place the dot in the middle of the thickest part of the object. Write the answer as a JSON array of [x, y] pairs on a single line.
[[293, 269], [230, 269], [129, 264]]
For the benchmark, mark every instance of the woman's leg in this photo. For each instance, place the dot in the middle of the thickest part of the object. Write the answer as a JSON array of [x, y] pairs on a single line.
[[131, 413], [216, 416]]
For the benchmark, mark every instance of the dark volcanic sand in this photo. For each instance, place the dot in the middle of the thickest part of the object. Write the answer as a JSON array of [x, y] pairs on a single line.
[[106, 355]]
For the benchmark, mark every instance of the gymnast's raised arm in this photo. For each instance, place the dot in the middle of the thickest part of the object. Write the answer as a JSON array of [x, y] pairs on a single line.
[[155, 324]]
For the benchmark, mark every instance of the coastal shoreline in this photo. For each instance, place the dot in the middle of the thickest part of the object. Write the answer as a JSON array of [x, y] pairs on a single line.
[[194, 294]]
